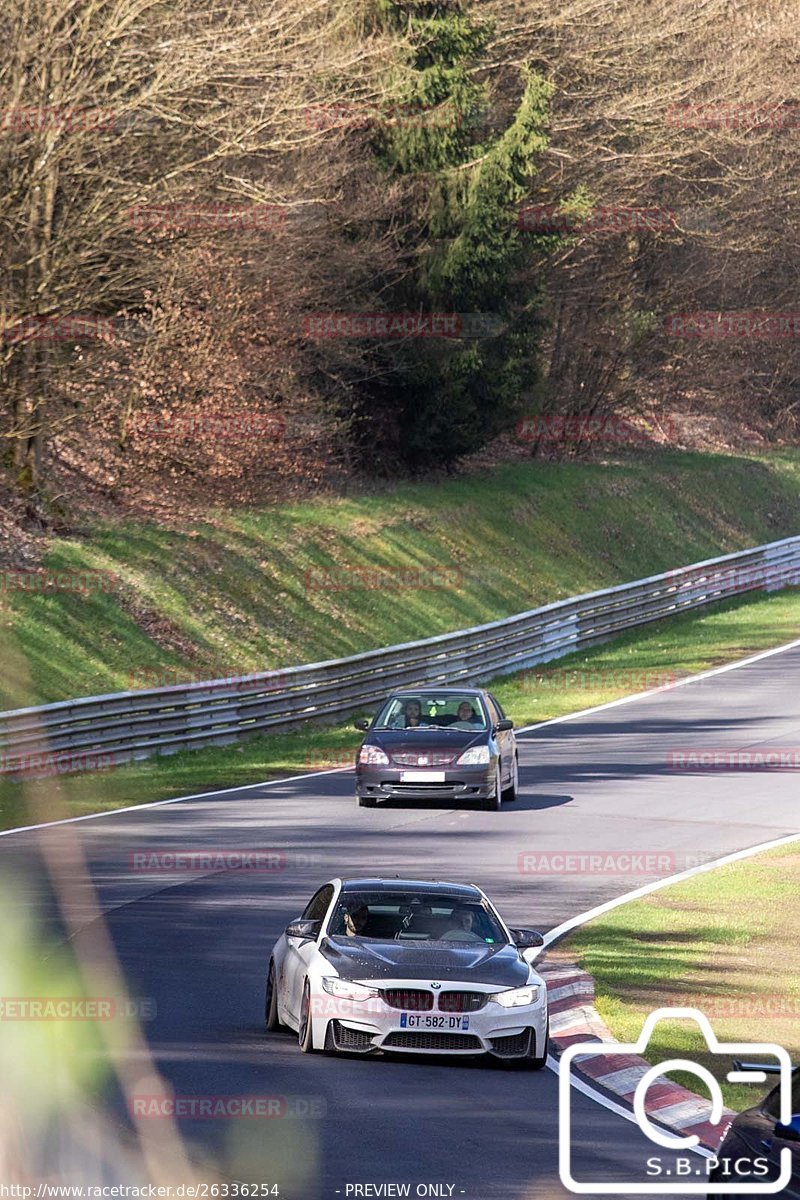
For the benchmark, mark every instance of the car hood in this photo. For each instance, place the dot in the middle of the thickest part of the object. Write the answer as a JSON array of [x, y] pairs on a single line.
[[453, 740], [362, 958]]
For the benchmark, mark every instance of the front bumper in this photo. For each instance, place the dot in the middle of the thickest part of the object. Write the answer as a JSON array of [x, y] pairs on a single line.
[[372, 1026], [456, 783]]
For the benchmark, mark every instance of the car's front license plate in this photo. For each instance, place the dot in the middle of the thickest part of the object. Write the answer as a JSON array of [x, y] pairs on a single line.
[[432, 1021], [422, 776]]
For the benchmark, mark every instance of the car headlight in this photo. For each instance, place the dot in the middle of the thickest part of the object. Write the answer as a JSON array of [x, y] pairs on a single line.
[[476, 756], [373, 756], [516, 997], [345, 990]]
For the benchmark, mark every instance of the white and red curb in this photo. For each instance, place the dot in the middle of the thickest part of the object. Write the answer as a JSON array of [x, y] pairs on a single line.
[[574, 1019]]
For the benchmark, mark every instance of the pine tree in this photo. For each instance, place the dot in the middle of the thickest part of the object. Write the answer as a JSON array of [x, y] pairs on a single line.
[[444, 398]]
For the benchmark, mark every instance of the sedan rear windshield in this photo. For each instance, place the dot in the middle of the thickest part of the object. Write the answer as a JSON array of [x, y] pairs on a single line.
[[407, 916], [428, 711]]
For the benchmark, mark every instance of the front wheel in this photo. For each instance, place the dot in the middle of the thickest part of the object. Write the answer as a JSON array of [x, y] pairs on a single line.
[[511, 791], [305, 1031], [495, 799], [271, 1019]]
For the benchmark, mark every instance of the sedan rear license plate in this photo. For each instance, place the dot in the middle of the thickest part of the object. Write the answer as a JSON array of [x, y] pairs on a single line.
[[422, 776], [432, 1021]]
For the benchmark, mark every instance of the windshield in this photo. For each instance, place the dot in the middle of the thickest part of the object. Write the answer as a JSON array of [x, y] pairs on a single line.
[[426, 917], [429, 711]]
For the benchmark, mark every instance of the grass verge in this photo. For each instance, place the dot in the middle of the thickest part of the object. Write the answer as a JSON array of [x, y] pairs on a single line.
[[653, 657], [249, 590], [725, 942]]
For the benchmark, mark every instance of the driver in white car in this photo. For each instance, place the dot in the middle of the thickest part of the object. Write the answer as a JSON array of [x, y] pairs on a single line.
[[462, 930]]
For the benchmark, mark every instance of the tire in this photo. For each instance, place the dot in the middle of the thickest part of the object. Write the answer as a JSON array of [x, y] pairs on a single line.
[[492, 803], [534, 1062], [510, 794], [271, 1019], [305, 1031], [366, 801]]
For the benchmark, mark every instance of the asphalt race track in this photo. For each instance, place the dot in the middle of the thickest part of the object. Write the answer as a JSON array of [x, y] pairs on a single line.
[[197, 944]]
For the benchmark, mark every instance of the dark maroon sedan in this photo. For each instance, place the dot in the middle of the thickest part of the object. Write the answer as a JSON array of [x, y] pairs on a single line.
[[447, 744]]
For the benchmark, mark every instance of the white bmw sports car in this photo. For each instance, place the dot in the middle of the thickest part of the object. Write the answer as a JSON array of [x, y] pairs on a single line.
[[406, 966]]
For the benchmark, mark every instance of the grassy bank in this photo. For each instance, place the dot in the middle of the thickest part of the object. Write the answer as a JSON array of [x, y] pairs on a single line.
[[655, 657], [725, 942], [249, 590]]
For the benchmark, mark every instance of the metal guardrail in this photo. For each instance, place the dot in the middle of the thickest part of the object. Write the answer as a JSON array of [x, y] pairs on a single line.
[[97, 731]]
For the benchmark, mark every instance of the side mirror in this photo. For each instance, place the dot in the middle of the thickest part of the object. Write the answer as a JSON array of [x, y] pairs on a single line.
[[503, 726], [790, 1132], [303, 929], [362, 723], [527, 939]]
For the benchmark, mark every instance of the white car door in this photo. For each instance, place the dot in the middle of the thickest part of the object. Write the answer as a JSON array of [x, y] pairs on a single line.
[[299, 953]]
